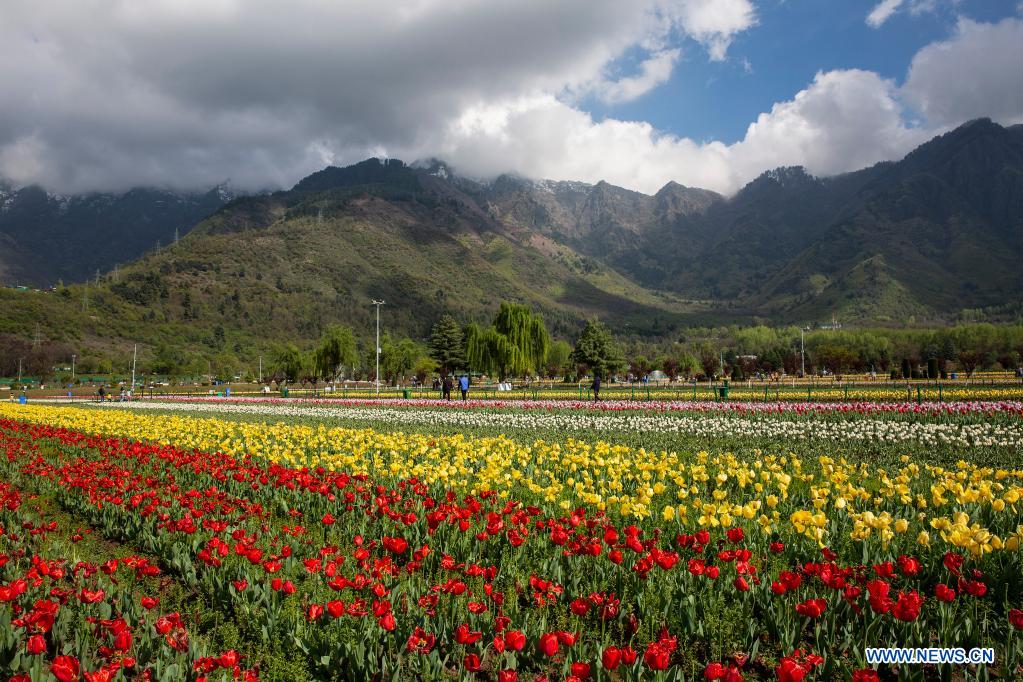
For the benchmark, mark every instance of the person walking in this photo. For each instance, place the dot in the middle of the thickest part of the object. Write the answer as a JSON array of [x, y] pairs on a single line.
[[446, 386], [596, 387], [463, 385]]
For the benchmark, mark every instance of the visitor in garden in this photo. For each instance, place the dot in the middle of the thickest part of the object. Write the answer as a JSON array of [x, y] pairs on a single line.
[[463, 385], [447, 386], [596, 387]]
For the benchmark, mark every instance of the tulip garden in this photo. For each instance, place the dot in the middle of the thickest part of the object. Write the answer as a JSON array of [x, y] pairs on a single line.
[[195, 541]]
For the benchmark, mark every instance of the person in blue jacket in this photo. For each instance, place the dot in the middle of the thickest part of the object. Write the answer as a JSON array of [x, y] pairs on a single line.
[[463, 385]]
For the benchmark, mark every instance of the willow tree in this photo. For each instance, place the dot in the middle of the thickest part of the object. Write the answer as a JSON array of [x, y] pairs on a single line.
[[336, 351], [515, 343]]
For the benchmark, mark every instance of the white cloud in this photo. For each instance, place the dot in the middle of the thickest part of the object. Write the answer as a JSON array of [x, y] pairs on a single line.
[[190, 91], [105, 95], [652, 72], [715, 22], [882, 12], [884, 9], [843, 120], [977, 72]]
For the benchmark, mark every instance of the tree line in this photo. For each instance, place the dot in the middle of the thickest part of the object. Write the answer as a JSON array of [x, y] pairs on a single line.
[[515, 343]]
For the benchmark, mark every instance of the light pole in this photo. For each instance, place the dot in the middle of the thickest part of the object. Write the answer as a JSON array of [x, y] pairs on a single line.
[[134, 358], [377, 375], [260, 369], [802, 355], [73, 356], [802, 352], [19, 370]]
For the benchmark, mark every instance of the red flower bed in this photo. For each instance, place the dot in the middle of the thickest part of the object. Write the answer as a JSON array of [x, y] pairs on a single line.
[[325, 571]]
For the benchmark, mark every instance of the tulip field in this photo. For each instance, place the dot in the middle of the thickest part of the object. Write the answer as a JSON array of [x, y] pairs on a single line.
[[355, 540]]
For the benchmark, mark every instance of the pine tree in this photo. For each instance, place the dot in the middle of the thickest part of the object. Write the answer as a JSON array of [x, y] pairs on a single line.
[[447, 345], [597, 350]]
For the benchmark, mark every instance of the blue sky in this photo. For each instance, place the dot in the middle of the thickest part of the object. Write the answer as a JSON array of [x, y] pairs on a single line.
[[791, 41]]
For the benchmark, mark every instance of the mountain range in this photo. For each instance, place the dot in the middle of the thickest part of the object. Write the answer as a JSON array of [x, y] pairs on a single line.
[[46, 237], [933, 237]]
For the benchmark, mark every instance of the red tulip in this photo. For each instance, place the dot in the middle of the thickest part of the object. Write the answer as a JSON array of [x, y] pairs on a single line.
[[36, 645], [65, 668], [907, 607], [657, 657], [515, 640], [812, 608], [472, 663], [1016, 618], [611, 658], [944, 593], [548, 644], [228, 659], [581, 670], [463, 635], [123, 640], [790, 671], [387, 622], [507, 676]]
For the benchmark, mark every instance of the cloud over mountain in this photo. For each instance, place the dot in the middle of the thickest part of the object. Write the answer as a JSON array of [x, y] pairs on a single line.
[[187, 93]]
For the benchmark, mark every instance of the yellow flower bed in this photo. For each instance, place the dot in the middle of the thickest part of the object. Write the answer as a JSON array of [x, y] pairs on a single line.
[[976, 509]]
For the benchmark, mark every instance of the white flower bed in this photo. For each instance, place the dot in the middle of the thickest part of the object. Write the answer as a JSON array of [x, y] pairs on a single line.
[[702, 425]]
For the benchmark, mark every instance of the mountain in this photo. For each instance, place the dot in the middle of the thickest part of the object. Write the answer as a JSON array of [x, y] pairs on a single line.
[[930, 238], [939, 231], [48, 237]]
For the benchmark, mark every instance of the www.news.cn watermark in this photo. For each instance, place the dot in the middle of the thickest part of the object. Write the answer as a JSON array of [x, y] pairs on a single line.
[[931, 655]]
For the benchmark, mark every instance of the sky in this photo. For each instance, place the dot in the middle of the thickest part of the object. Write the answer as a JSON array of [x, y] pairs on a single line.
[[104, 95]]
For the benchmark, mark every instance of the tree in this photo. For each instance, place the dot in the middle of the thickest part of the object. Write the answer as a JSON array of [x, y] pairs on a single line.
[[336, 351], [688, 364], [557, 357], [837, 358], [398, 358], [447, 345], [639, 366], [669, 364], [526, 333], [488, 351], [597, 350], [424, 367], [515, 343], [286, 363]]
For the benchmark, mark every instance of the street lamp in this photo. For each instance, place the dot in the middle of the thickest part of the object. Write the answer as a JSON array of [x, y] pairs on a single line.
[[377, 375], [802, 353], [73, 356]]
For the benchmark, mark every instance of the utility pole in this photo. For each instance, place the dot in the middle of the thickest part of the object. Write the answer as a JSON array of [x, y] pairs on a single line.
[[19, 370], [377, 376], [260, 369], [73, 356], [134, 357]]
